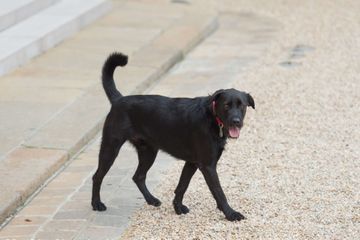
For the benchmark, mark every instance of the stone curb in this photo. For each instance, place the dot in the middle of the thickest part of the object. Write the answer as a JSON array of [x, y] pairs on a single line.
[[67, 133]]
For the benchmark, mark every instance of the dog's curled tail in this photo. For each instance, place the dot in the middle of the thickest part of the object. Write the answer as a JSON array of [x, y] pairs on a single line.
[[115, 59]]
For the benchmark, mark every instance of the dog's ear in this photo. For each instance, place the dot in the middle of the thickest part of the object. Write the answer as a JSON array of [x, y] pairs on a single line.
[[213, 98], [250, 101], [217, 94]]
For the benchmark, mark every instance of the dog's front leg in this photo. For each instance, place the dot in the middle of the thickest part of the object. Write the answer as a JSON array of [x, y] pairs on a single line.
[[186, 175], [212, 180]]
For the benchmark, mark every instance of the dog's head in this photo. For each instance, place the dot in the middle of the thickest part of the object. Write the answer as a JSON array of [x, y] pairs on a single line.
[[229, 106]]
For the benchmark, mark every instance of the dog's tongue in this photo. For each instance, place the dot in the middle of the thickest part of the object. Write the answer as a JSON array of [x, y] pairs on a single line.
[[234, 132]]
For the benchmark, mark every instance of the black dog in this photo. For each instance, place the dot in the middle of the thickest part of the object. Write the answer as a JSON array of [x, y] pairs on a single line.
[[192, 129]]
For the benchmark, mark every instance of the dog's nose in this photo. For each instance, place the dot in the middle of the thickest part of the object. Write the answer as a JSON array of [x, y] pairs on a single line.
[[236, 121]]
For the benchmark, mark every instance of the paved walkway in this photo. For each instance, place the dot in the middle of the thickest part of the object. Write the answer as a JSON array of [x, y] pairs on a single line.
[[62, 208], [51, 107]]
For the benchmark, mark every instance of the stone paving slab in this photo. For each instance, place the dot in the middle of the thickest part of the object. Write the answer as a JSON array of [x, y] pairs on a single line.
[[73, 114], [75, 126], [23, 171]]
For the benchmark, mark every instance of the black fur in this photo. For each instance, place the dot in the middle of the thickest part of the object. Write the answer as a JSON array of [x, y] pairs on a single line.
[[186, 128]]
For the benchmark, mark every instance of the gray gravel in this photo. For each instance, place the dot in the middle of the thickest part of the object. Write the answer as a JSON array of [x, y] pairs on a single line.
[[294, 172]]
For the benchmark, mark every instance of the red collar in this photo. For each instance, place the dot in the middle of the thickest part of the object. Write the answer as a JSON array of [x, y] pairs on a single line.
[[218, 120]]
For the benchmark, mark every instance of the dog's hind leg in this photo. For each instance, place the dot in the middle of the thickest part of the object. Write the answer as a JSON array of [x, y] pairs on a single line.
[[186, 175], [108, 152], [146, 155]]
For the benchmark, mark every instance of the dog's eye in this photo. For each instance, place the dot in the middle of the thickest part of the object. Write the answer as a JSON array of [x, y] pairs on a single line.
[[239, 104], [226, 106]]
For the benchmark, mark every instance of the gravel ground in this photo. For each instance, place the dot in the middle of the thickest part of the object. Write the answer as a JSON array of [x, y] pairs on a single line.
[[294, 172]]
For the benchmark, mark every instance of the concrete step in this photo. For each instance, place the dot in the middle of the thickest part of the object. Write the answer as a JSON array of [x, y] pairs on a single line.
[[13, 12], [46, 29]]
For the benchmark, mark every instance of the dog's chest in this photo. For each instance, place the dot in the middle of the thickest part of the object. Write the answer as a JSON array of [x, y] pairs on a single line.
[[220, 148]]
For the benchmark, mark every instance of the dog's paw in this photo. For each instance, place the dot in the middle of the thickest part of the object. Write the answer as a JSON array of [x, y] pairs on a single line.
[[98, 206], [181, 209], [235, 216], [154, 202]]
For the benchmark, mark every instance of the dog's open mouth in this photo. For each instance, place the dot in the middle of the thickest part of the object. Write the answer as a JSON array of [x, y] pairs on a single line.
[[234, 132]]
